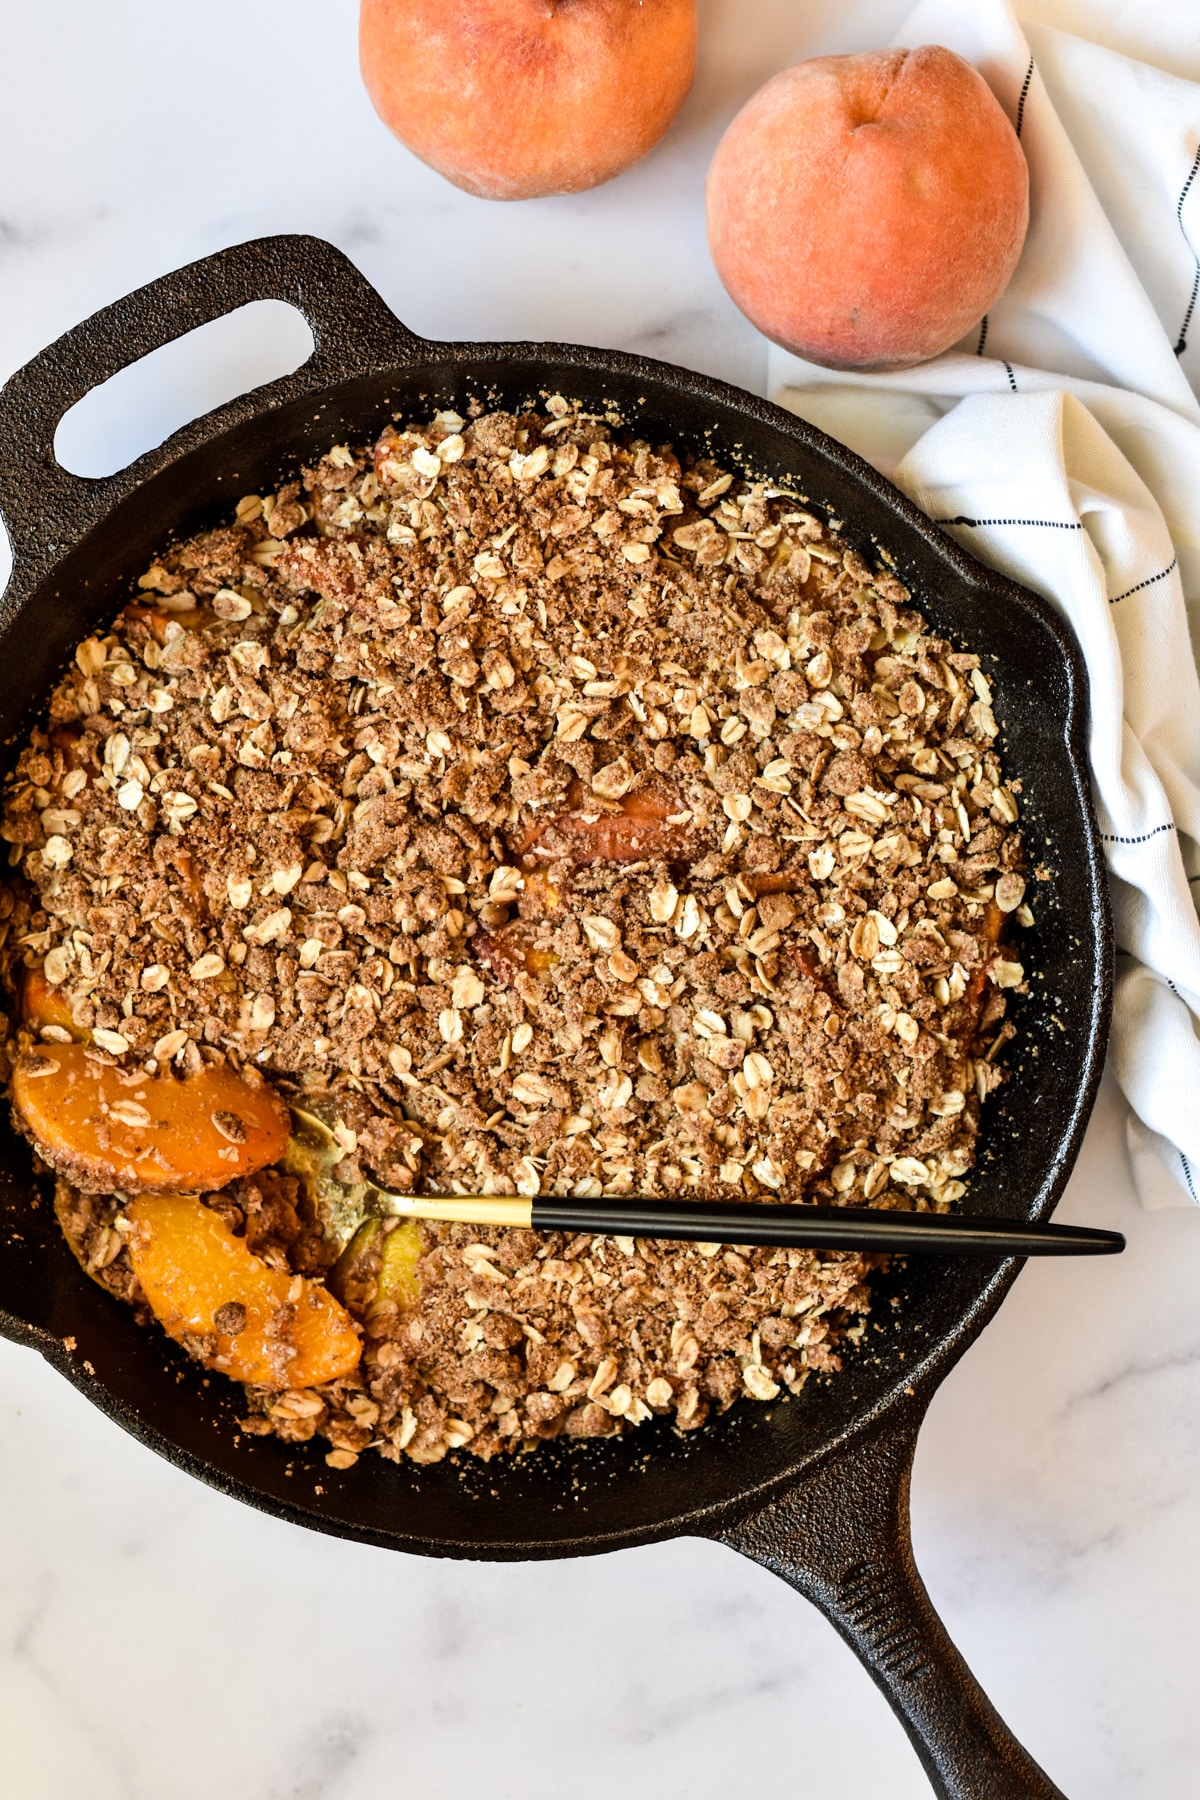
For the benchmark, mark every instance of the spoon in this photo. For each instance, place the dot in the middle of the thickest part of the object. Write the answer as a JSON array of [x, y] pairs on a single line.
[[313, 1153]]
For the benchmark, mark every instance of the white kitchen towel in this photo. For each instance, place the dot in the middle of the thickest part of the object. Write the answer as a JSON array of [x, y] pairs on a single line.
[[1061, 444]]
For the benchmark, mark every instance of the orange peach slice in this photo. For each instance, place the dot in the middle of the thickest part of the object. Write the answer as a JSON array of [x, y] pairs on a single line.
[[540, 894], [273, 1329], [508, 952], [108, 1128], [196, 618], [68, 739], [44, 1004], [639, 832], [993, 931], [787, 881]]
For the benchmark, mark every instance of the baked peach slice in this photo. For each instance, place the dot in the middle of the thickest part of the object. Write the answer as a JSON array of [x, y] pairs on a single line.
[[379, 1264], [68, 740], [994, 923], [158, 618], [273, 1329], [106, 1128], [44, 1004], [510, 952], [510, 949], [641, 831], [398, 1278]]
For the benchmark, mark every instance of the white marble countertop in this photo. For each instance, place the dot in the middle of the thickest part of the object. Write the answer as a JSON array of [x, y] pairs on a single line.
[[156, 1639]]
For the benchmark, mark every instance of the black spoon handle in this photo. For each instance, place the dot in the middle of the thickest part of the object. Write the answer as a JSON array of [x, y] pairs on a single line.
[[821, 1227]]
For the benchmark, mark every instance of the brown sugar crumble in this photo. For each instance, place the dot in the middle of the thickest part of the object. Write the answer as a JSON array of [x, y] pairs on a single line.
[[561, 814]]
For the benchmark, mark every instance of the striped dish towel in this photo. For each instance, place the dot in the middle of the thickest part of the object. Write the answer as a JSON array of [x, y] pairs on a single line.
[[1061, 444]]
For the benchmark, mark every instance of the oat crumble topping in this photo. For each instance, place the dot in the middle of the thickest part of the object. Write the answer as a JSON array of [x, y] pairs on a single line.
[[566, 815]]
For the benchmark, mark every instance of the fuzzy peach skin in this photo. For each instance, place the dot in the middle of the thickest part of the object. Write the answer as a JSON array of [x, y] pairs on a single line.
[[515, 98], [866, 211]]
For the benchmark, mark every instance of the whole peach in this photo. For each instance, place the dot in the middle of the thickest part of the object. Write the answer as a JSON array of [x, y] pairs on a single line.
[[515, 98], [866, 211]]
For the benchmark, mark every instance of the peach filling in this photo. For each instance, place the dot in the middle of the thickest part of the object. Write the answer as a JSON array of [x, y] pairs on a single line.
[[44, 1004], [379, 1266], [640, 831], [645, 829], [108, 1129], [196, 618], [271, 1328]]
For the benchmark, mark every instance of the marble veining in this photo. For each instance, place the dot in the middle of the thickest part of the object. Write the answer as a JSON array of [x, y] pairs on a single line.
[[156, 1639]]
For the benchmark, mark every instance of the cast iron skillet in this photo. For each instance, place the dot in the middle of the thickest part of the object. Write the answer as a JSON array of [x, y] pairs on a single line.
[[815, 1488]]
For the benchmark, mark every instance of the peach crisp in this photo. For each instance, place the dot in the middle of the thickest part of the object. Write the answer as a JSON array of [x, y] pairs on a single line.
[[540, 810]]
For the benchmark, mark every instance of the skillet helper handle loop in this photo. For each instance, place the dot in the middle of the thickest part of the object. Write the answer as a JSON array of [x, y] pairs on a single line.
[[841, 1538], [44, 507]]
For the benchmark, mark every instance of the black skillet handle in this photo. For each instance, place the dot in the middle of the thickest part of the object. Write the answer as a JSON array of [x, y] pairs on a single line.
[[841, 1538], [45, 508]]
